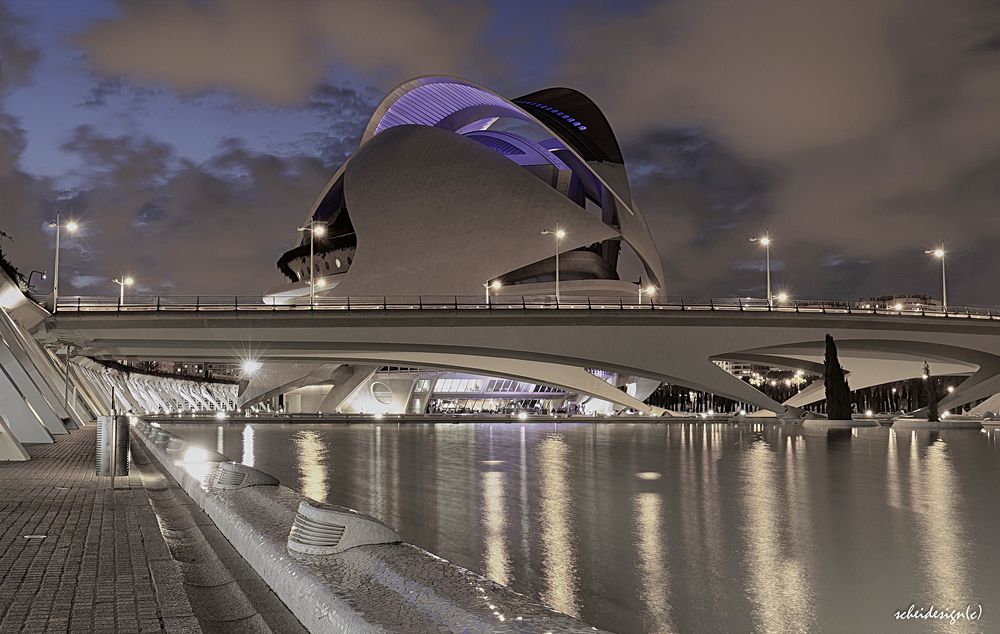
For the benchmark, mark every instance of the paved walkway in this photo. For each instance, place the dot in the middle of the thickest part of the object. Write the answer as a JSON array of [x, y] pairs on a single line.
[[102, 565]]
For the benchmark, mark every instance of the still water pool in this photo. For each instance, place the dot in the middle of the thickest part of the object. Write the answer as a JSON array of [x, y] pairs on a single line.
[[673, 527]]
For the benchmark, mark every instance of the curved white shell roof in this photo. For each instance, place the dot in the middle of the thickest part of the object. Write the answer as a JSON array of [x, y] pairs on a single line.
[[457, 104]]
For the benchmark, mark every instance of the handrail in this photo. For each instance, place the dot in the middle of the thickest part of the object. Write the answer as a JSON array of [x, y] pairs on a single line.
[[202, 303]]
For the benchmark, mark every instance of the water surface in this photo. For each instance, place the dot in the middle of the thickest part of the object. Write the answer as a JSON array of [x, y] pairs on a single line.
[[673, 527]]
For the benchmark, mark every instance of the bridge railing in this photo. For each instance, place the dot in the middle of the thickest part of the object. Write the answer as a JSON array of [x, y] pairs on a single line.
[[229, 303]]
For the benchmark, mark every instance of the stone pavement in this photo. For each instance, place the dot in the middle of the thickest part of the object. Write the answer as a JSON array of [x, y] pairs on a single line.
[[102, 565]]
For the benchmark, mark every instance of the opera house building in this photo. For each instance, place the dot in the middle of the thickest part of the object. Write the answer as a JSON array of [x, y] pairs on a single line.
[[456, 190]]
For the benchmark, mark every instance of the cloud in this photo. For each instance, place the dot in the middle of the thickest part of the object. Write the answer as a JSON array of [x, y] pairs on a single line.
[[214, 227], [17, 57], [108, 88], [875, 124], [21, 194], [277, 51]]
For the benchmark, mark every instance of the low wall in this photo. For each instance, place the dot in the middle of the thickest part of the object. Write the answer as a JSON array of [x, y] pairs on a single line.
[[374, 588]]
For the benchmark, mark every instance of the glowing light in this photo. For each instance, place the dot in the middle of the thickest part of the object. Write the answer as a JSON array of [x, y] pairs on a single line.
[[319, 230], [649, 475], [522, 416], [782, 297], [195, 455], [951, 388], [321, 282], [72, 226], [869, 413], [560, 234], [129, 281], [496, 285], [220, 415], [898, 306], [251, 366]]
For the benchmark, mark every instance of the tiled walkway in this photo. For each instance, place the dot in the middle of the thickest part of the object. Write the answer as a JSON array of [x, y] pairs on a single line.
[[102, 565]]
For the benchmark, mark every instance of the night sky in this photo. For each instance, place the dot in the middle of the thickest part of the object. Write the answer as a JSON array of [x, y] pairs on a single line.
[[190, 138]]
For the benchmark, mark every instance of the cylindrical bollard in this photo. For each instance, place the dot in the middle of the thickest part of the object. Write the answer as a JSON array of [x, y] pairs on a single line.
[[113, 452]]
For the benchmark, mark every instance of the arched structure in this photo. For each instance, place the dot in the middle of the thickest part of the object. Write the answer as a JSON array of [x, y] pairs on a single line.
[[452, 186]]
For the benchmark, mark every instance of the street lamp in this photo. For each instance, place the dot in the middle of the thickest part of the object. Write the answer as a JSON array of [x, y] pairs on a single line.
[[122, 282], [58, 225], [649, 291], [558, 234], [43, 274], [495, 285], [315, 228], [939, 253], [765, 241], [250, 367]]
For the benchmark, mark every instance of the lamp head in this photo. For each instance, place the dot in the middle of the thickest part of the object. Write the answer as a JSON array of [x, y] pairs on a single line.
[[72, 226], [128, 281], [782, 297], [319, 230], [560, 234], [496, 285]]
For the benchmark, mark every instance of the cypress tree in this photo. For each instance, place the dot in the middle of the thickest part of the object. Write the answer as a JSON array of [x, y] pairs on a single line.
[[930, 390], [838, 394]]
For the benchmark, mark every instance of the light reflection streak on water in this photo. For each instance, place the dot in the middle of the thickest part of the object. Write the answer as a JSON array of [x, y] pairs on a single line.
[[713, 537], [220, 442], [779, 584], [894, 491], [496, 560], [248, 445], [525, 521], [376, 495], [310, 454], [556, 518], [655, 584], [800, 537], [937, 505]]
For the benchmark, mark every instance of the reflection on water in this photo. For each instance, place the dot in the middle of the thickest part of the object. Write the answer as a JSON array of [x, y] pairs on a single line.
[[943, 550], [778, 583], [649, 537], [248, 446], [497, 563], [556, 521], [672, 527], [312, 464]]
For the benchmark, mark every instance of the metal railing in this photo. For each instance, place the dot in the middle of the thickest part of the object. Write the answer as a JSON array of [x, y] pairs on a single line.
[[230, 303]]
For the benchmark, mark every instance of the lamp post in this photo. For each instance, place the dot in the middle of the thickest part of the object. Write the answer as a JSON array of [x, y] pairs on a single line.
[[649, 291], [939, 254], [43, 274], [558, 234], [122, 282], [315, 228], [765, 240], [495, 285], [58, 225]]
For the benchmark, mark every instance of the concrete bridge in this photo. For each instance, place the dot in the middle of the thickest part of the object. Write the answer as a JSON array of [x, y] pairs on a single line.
[[535, 339]]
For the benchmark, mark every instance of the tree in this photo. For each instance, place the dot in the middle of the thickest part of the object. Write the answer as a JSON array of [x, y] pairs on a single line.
[[838, 393], [930, 390]]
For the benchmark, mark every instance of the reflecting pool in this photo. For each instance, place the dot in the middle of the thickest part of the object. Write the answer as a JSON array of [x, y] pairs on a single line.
[[673, 527]]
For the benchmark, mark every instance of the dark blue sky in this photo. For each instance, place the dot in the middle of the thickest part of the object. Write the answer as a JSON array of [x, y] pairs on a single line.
[[191, 137]]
